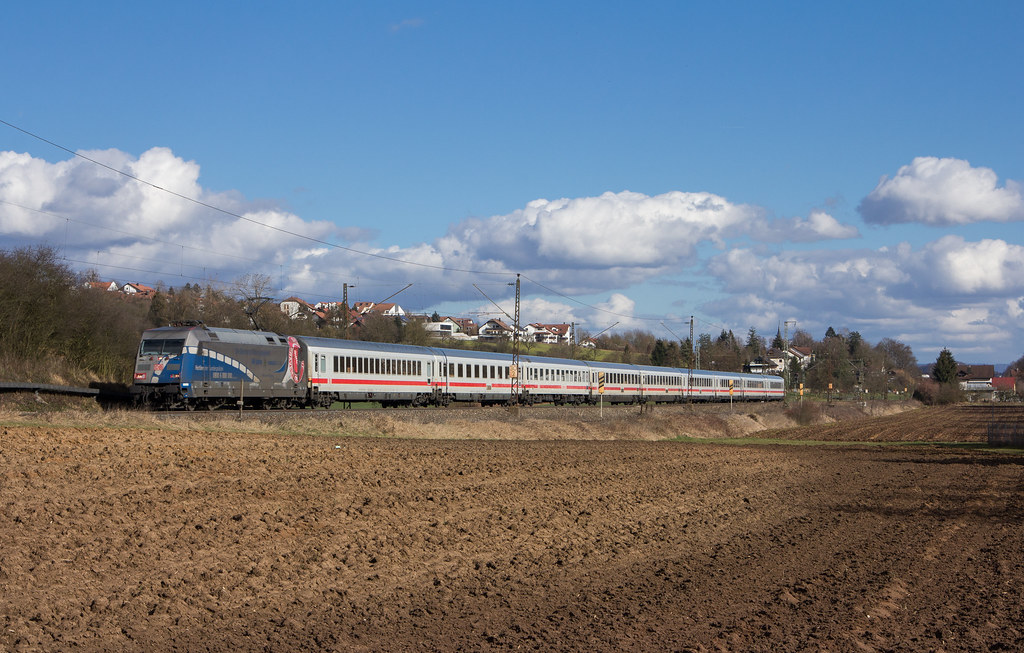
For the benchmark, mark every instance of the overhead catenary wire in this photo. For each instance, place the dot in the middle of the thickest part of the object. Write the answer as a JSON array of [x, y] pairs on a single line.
[[312, 239], [305, 237]]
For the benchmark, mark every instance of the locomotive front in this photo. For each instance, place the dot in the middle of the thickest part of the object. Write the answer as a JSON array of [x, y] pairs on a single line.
[[190, 366], [157, 376]]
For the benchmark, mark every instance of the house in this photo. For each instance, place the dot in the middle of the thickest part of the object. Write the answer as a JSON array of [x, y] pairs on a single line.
[[109, 286], [448, 327], [548, 333], [763, 365], [1004, 384], [138, 290], [975, 378], [444, 328], [389, 310], [495, 329], [802, 355], [776, 360], [466, 325], [299, 309]]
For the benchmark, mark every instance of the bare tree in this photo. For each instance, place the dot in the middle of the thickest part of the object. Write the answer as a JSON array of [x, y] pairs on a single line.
[[253, 292]]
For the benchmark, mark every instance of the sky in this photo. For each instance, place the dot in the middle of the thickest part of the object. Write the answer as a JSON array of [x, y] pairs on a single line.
[[767, 165]]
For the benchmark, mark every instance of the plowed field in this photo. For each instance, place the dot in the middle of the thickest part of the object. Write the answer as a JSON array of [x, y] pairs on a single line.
[[158, 537]]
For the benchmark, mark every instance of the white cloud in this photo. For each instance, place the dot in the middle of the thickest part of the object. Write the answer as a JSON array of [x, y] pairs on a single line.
[[951, 265], [546, 311], [942, 192], [950, 292], [614, 229], [110, 219], [818, 226]]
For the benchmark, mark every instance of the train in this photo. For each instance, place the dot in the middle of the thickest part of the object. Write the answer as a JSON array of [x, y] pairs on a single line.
[[190, 366]]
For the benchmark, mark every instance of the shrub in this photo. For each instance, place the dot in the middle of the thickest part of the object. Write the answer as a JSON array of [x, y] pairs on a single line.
[[930, 393]]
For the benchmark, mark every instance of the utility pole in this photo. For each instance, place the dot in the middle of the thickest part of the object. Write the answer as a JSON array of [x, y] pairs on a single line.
[[516, 387], [345, 312], [785, 354], [344, 294], [786, 337], [691, 342], [693, 364]]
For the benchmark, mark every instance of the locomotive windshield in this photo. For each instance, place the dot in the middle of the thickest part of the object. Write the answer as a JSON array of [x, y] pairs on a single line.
[[161, 347]]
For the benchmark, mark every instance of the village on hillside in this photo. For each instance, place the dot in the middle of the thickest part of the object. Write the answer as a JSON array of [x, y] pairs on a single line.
[[441, 327]]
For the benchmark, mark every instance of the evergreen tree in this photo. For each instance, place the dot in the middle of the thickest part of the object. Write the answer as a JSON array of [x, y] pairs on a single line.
[[778, 342], [854, 343], [659, 355], [944, 370], [673, 358], [686, 354]]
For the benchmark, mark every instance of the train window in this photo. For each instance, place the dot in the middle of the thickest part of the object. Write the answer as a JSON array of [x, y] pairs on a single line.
[[451, 369], [460, 370], [158, 347], [419, 368]]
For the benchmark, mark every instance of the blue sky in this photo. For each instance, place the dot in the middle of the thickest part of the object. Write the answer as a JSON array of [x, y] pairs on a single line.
[[850, 165]]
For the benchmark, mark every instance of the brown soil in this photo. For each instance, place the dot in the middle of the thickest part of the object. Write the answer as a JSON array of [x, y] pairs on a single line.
[[167, 534]]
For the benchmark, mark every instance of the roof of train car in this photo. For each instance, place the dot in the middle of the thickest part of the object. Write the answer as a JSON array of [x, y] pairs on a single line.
[[243, 336]]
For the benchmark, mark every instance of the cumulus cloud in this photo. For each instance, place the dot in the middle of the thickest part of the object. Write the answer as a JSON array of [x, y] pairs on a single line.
[[818, 226], [949, 292], [952, 265], [942, 192], [614, 229]]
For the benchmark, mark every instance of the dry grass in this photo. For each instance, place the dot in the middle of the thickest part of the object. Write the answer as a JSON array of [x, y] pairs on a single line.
[[534, 423]]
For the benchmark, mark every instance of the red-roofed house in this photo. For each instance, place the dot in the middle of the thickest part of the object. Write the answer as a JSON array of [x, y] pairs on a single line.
[[138, 290]]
